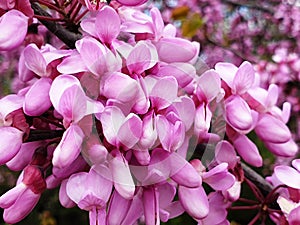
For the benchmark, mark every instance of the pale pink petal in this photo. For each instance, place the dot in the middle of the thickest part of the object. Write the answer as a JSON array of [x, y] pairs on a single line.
[[296, 164], [24, 73], [119, 86], [227, 72], [122, 178], [37, 99], [194, 201], [233, 194], [243, 79], [72, 64], [59, 85], [74, 188], [10, 143], [130, 131], [149, 133], [73, 104], [142, 57], [107, 25], [69, 147], [184, 73], [88, 25], [285, 173], [34, 60], [272, 96], [158, 22], [93, 55], [208, 86], [185, 108], [15, 24], [111, 119], [164, 92], [99, 182], [8, 104]]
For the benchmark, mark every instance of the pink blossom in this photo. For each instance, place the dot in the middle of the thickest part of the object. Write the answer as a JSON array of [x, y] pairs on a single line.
[[91, 191], [14, 23]]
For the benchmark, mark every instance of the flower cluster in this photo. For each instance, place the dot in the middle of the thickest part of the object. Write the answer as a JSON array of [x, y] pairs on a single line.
[[117, 122]]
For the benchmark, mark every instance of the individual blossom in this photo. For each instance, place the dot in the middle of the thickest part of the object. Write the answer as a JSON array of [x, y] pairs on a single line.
[[91, 191], [19, 201]]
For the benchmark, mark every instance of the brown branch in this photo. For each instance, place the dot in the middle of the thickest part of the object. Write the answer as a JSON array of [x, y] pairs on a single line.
[[39, 135], [66, 36], [257, 179], [251, 4]]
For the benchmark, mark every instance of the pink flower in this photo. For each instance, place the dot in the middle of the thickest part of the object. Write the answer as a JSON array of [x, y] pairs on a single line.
[[15, 24], [19, 201], [91, 191]]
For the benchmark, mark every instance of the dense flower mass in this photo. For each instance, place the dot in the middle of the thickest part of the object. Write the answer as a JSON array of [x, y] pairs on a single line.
[[130, 124]]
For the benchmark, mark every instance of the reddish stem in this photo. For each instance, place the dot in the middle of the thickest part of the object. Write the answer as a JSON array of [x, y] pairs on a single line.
[[76, 11], [51, 6], [49, 18], [79, 17]]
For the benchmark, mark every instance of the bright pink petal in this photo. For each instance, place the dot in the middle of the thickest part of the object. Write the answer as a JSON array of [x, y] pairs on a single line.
[[118, 208], [24, 156], [10, 143], [247, 150], [64, 199], [150, 205], [186, 176], [24, 73], [219, 178], [185, 50], [107, 25], [225, 153], [69, 147], [34, 60], [22, 207], [37, 99], [278, 132], [15, 24], [184, 73], [194, 201], [11, 196], [238, 113], [286, 149]]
